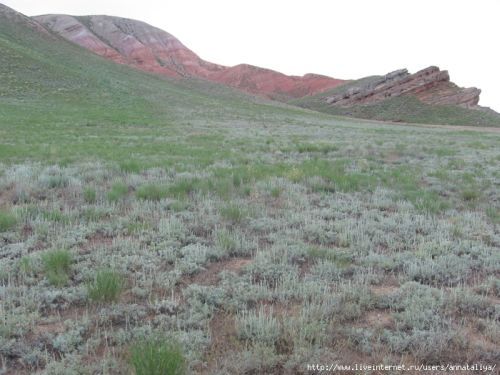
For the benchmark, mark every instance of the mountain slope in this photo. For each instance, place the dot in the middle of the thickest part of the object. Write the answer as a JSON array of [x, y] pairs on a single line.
[[50, 84], [148, 48]]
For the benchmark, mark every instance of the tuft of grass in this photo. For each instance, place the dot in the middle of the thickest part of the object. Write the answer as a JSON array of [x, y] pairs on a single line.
[[336, 177], [152, 192], [26, 265], [226, 241], [470, 195], [182, 189], [7, 221], [340, 258], [157, 356], [93, 214], [57, 181], [494, 214], [426, 201], [233, 213], [106, 286], [322, 148], [55, 216], [276, 192], [130, 166], [117, 192], [178, 206], [89, 195], [57, 265]]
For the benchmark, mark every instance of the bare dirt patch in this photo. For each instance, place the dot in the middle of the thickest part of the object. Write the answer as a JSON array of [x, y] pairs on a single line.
[[223, 340], [49, 328], [210, 276], [378, 319], [95, 241], [384, 290]]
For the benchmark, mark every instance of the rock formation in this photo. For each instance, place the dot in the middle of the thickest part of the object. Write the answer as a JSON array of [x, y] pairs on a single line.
[[430, 85], [148, 48]]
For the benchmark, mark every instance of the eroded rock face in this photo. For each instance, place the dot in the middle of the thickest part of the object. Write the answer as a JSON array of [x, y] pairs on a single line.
[[271, 83], [431, 85], [148, 48]]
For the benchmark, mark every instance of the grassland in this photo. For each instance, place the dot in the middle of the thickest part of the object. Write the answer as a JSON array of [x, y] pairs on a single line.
[[148, 224]]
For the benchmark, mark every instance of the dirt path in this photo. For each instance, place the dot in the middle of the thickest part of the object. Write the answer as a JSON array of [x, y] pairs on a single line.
[[480, 129]]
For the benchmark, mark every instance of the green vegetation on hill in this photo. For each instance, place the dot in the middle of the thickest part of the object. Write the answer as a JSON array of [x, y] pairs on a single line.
[[399, 109], [51, 84]]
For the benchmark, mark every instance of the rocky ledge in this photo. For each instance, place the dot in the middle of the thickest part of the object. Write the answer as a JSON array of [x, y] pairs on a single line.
[[430, 85]]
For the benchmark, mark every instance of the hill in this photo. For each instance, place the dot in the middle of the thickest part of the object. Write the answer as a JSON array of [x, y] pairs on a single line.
[[148, 48], [49, 83], [426, 97]]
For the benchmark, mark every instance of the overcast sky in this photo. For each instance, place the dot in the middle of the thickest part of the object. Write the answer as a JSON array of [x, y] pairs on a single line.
[[342, 39]]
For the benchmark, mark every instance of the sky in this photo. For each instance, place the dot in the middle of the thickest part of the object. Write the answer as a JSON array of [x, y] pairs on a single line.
[[343, 39]]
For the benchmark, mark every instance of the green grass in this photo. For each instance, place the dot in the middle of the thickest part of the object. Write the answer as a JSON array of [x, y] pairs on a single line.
[[494, 214], [89, 195], [152, 192], [157, 357], [7, 221], [55, 215], [26, 265], [276, 192], [339, 257], [131, 166], [470, 194], [182, 189], [117, 192], [106, 286], [233, 213], [335, 177], [57, 264], [226, 240]]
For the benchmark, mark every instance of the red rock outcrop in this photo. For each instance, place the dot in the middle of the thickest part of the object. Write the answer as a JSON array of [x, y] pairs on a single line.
[[148, 48], [431, 85]]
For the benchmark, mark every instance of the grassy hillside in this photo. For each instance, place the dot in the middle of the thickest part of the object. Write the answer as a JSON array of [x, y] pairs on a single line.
[[50, 84], [400, 109], [184, 227]]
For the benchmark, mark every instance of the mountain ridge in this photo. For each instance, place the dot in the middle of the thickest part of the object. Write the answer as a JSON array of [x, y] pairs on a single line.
[[149, 48], [427, 96]]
